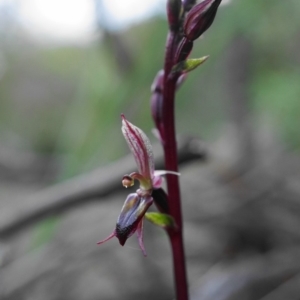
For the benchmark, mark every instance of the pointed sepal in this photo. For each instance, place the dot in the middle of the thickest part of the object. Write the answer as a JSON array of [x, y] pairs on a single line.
[[113, 234], [140, 147]]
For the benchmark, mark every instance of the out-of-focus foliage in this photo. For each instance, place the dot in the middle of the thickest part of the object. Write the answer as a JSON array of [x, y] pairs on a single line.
[[44, 231], [106, 92], [76, 95]]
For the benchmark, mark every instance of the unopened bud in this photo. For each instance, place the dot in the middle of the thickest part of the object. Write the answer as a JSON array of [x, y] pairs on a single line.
[[174, 12], [199, 18], [184, 49], [188, 4], [157, 111], [158, 82]]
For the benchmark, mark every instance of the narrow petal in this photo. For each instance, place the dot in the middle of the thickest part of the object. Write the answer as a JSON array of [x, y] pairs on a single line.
[[165, 172], [140, 147], [113, 234], [157, 179], [140, 235]]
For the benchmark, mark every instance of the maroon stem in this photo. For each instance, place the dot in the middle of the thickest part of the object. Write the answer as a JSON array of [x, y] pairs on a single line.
[[171, 163]]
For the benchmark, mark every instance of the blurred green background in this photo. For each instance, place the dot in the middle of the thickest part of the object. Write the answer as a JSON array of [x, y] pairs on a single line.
[[65, 101]]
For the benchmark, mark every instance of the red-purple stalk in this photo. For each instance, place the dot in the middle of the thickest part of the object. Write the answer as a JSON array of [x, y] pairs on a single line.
[[183, 30], [171, 163]]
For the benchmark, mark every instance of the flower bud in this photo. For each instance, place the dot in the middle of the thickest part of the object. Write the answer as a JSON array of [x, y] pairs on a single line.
[[199, 18], [184, 49], [174, 13], [157, 111], [156, 101], [158, 82], [188, 4]]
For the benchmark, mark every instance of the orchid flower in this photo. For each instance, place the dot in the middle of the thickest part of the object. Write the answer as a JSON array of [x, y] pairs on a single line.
[[136, 204]]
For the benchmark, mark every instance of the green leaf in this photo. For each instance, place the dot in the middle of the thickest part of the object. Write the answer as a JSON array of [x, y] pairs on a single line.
[[189, 64], [160, 219]]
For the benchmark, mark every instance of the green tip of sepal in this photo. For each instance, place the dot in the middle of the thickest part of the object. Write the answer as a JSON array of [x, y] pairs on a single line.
[[161, 220], [189, 64]]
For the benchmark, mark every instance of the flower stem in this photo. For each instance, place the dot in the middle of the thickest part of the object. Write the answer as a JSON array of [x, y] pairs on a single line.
[[171, 164]]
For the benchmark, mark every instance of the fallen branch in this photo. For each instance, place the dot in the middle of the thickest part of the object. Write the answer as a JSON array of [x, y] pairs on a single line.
[[87, 187]]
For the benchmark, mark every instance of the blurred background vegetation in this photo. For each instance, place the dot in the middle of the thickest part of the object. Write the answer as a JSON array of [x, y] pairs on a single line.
[[64, 101]]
